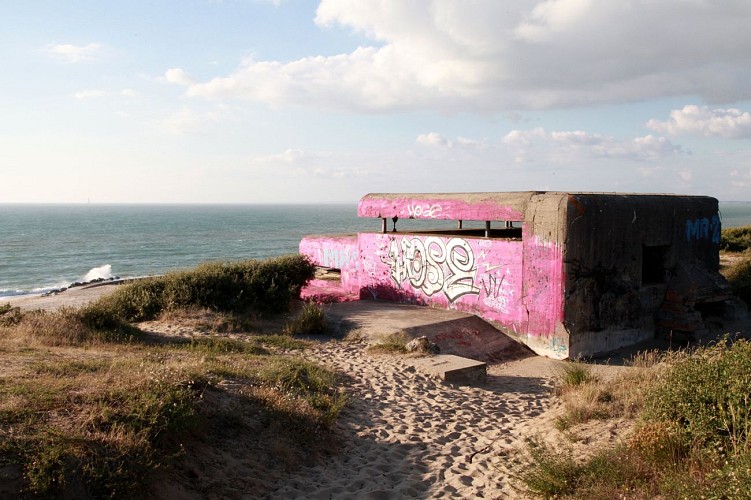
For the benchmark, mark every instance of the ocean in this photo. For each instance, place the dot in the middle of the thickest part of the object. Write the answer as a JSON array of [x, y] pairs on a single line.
[[45, 247]]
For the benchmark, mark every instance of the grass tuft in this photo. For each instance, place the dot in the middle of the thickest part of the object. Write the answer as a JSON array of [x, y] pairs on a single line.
[[311, 321], [739, 277], [393, 343], [574, 374], [694, 440], [736, 239]]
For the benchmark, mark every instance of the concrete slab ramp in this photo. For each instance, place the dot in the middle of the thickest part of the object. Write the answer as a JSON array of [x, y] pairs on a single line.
[[455, 332]]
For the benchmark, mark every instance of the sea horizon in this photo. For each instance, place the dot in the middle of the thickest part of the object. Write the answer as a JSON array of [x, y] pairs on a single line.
[[48, 246]]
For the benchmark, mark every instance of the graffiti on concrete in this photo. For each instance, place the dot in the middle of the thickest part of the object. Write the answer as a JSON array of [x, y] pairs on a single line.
[[499, 291], [433, 265], [558, 347], [340, 257], [703, 228], [429, 211]]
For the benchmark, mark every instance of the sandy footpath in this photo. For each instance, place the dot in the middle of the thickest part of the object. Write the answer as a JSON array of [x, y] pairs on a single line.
[[410, 436]]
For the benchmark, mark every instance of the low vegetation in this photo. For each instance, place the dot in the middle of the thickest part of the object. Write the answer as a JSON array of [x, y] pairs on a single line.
[[266, 286], [311, 321], [91, 406], [739, 277], [393, 343], [736, 239], [693, 434]]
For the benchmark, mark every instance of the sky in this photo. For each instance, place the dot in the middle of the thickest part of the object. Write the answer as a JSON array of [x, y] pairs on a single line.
[[294, 101]]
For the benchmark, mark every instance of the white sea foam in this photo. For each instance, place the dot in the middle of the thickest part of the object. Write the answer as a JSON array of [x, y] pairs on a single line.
[[101, 272]]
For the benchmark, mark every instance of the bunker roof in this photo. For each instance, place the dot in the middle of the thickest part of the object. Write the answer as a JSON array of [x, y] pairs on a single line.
[[495, 206]]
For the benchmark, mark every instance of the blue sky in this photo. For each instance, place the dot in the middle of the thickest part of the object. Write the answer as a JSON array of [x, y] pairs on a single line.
[[251, 101]]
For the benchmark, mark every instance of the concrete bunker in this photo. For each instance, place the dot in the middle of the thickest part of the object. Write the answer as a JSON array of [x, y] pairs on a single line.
[[567, 274]]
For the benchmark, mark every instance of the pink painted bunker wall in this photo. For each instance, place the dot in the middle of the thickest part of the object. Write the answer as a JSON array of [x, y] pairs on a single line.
[[533, 283]]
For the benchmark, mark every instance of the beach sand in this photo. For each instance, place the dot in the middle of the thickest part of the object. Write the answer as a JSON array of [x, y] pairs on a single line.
[[404, 434]]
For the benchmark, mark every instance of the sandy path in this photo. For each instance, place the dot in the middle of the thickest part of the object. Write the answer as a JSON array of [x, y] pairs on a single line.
[[410, 436]]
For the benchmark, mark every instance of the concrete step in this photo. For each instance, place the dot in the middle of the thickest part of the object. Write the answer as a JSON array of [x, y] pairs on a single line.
[[454, 332], [451, 369]]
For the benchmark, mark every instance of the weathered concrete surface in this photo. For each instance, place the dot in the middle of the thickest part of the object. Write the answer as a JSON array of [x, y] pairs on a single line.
[[452, 369], [586, 273], [446, 206], [454, 332]]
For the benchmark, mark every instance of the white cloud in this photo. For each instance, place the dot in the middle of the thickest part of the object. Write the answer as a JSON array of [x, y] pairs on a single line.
[[178, 77], [432, 139], [523, 137], [75, 53], [436, 140], [89, 94], [703, 121], [564, 145], [488, 56], [98, 93], [188, 120], [304, 163]]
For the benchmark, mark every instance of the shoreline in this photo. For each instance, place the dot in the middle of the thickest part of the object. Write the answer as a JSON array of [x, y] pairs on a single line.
[[70, 297]]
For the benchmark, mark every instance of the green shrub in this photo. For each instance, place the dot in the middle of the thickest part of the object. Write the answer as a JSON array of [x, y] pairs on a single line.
[[266, 286], [736, 239], [739, 277], [707, 395], [311, 321], [551, 473], [9, 315]]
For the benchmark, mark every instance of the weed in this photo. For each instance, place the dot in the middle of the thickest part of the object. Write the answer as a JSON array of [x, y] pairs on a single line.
[[739, 277], [311, 321], [707, 394], [553, 473], [299, 398], [9, 315], [67, 327], [574, 374], [694, 440], [282, 342], [736, 239], [220, 345], [393, 343]]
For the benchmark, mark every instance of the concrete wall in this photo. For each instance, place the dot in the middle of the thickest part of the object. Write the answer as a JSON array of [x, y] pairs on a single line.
[[590, 272], [517, 284], [611, 239]]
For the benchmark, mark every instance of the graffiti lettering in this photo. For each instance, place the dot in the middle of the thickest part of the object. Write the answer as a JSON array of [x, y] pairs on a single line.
[[498, 293], [430, 211], [558, 346], [338, 258], [703, 229], [433, 265]]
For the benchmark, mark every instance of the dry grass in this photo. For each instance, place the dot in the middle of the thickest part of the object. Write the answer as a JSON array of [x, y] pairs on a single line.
[[80, 415], [393, 343], [692, 437]]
